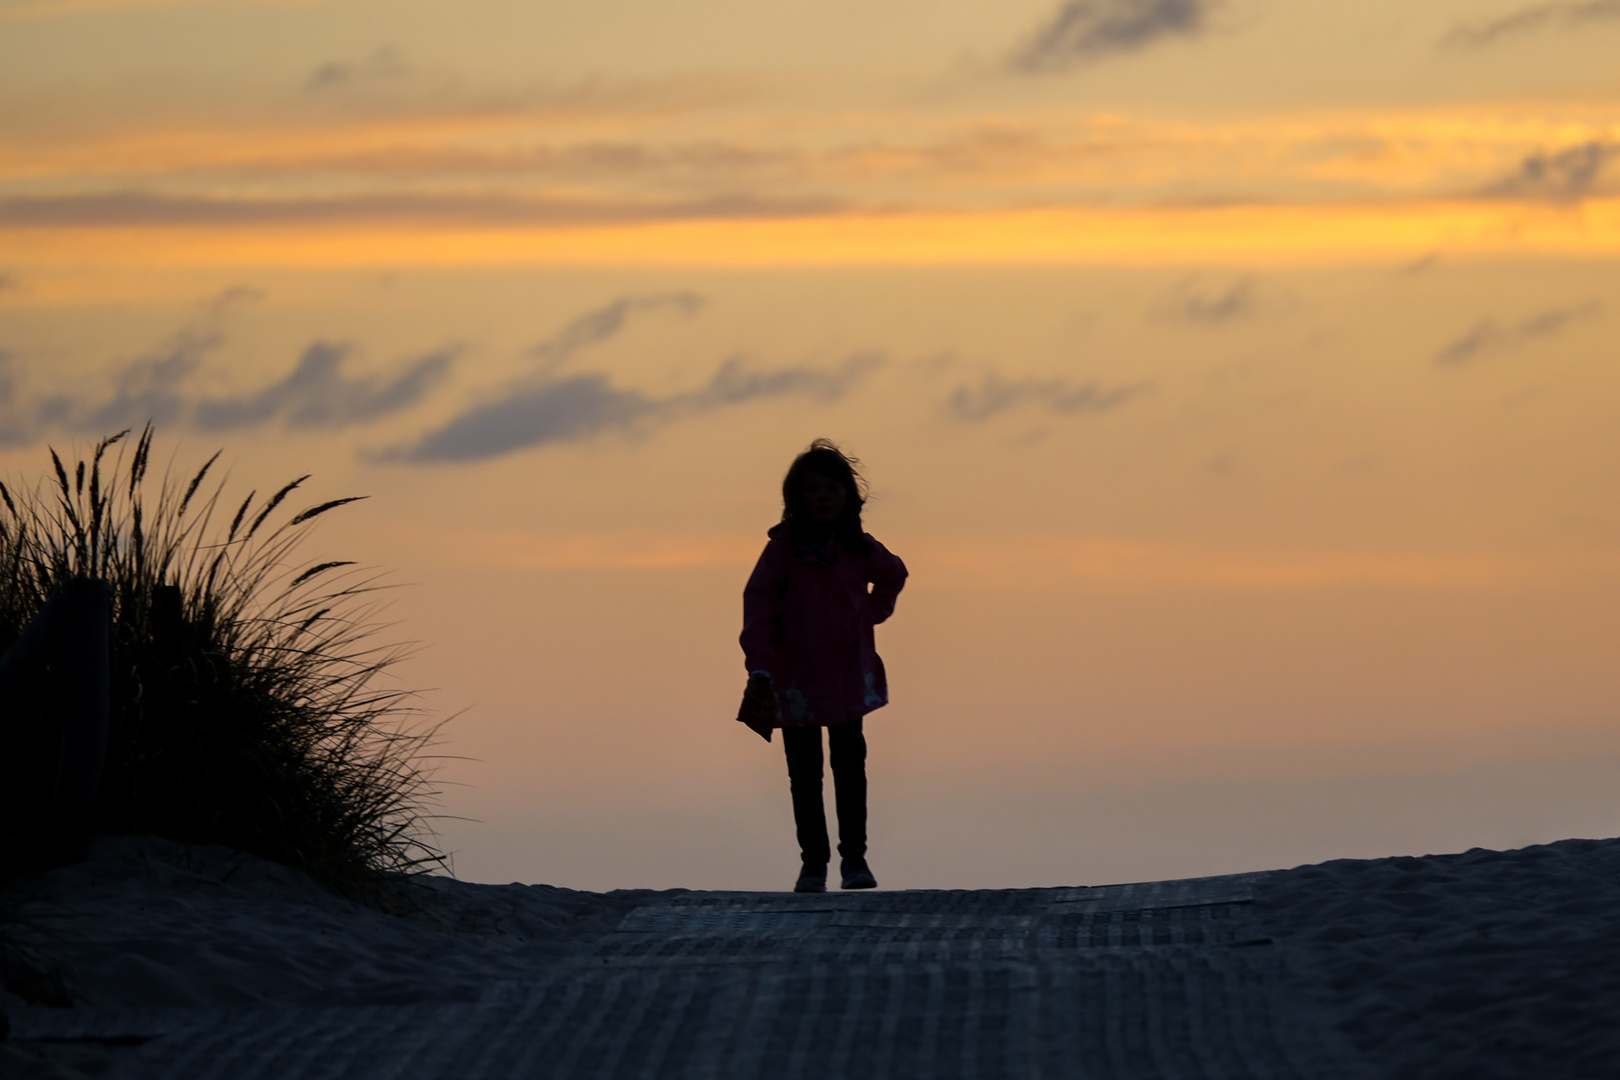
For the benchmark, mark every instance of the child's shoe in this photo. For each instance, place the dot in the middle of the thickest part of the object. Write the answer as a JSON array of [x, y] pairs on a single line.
[[856, 874], [812, 878]]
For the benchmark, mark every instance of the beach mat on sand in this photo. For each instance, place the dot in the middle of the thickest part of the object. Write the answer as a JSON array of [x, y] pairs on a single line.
[[1164, 980]]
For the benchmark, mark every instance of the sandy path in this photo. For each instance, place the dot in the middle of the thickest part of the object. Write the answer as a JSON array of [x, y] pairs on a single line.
[[191, 962]]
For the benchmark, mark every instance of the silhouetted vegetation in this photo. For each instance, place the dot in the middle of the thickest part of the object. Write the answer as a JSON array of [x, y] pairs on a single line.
[[246, 704]]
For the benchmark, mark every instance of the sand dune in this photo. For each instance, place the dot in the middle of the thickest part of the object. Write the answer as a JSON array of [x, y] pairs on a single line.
[[182, 960], [1474, 966], [150, 922]]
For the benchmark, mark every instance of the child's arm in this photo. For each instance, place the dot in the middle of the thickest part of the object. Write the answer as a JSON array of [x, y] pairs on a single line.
[[762, 611], [888, 578]]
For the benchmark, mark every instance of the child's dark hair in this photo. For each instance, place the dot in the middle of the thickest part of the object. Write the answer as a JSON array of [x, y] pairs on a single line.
[[825, 458]]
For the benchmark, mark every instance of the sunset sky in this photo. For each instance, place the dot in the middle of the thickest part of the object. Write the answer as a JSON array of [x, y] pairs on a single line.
[[1238, 379]]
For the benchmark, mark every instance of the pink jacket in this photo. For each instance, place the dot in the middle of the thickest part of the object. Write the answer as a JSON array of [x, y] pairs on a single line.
[[808, 618]]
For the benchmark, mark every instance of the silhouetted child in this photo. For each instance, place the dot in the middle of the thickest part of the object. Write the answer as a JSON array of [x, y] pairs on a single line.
[[807, 639]]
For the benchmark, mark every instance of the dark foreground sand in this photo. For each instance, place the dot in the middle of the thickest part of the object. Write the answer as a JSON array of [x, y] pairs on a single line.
[[158, 959]]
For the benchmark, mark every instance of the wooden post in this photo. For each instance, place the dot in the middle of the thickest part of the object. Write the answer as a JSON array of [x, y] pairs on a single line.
[[86, 643], [54, 705]]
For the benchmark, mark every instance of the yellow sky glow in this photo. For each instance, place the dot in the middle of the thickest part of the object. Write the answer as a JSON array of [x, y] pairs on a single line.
[[1024, 562]]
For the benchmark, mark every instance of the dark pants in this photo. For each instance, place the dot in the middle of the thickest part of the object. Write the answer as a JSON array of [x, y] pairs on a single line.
[[846, 747]]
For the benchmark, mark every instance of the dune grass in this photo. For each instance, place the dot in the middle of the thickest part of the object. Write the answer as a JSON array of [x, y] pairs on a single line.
[[249, 703]]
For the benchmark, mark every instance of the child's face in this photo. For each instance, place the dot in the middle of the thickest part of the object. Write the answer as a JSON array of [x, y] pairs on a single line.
[[824, 498]]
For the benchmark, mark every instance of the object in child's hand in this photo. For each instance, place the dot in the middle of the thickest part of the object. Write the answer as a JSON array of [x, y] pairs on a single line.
[[758, 709]]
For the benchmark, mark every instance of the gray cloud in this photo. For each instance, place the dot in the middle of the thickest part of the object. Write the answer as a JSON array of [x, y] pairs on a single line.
[[578, 407], [157, 388], [144, 208], [561, 411], [383, 65], [1562, 14], [1194, 301], [8, 282], [735, 382], [994, 395], [1566, 176], [606, 322], [316, 394], [1083, 31], [14, 430], [151, 387], [544, 407], [1488, 336], [148, 387]]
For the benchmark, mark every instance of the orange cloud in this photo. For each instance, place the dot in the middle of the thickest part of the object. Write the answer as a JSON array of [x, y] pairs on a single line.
[[668, 144], [1221, 235]]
